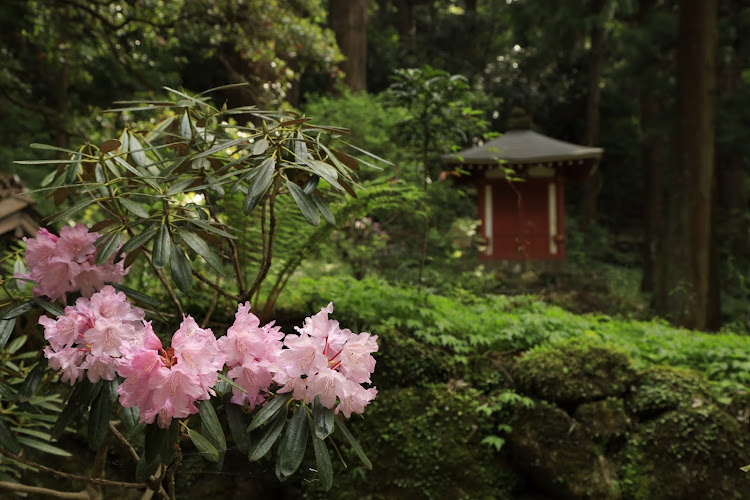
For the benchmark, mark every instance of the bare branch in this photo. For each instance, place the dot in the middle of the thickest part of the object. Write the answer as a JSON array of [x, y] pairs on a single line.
[[78, 495]]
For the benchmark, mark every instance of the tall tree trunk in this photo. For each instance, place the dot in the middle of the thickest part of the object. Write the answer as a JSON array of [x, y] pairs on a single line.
[[593, 185], [349, 22], [689, 259], [653, 189], [652, 169]]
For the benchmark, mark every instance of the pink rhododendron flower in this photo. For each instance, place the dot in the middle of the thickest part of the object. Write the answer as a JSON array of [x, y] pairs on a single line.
[[68, 263], [97, 330], [328, 361], [251, 354], [166, 383]]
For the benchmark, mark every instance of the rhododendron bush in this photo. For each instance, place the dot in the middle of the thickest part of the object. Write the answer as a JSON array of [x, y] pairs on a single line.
[[176, 201]]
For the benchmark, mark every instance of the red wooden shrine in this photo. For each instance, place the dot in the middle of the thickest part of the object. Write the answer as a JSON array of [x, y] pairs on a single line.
[[522, 215]]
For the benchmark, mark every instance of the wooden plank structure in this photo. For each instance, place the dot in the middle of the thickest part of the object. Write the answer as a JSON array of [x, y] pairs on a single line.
[[18, 217], [524, 219]]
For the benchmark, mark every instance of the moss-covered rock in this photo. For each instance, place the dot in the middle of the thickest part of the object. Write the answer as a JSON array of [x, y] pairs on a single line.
[[688, 453], [403, 361], [557, 457], [661, 388], [569, 373], [425, 443], [605, 420]]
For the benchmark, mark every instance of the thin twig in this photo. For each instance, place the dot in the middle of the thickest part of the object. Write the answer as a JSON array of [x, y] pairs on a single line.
[[78, 495], [268, 248], [169, 476], [43, 468], [223, 292], [165, 282], [124, 441], [212, 306]]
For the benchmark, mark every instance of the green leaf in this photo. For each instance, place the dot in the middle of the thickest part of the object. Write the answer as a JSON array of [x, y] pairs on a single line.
[[294, 442], [43, 447], [16, 344], [312, 184], [8, 439], [154, 441], [211, 229], [145, 469], [323, 419], [18, 310], [28, 387], [260, 184], [137, 240], [327, 172], [322, 457], [186, 130], [205, 448], [101, 410], [201, 248], [745, 468], [83, 394], [261, 446], [167, 449], [220, 147], [259, 147], [305, 204], [108, 247], [236, 417], [48, 306], [180, 266], [341, 426], [72, 210], [47, 147], [72, 170], [324, 209], [211, 425], [137, 296], [161, 247], [134, 207], [137, 153], [269, 410], [6, 329], [129, 417]]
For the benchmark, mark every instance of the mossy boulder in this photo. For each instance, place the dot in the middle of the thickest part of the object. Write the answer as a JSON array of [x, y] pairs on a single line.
[[403, 361], [556, 455], [605, 421], [425, 443], [662, 388], [687, 453], [569, 373]]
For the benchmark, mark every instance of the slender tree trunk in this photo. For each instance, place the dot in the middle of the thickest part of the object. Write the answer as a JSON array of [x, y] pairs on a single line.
[[349, 22], [689, 257], [651, 164], [593, 185]]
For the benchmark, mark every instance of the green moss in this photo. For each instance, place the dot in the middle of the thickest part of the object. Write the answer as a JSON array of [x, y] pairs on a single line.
[[663, 388], [604, 421], [690, 453], [403, 361], [557, 456], [573, 372], [424, 443]]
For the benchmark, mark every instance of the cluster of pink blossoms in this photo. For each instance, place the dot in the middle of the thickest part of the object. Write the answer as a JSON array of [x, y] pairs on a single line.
[[92, 336], [166, 383], [326, 361], [67, 263], [251, 352]]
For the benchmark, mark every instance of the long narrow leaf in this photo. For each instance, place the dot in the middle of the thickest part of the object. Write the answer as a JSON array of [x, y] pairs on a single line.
[[162, 247], [294, 442], [322, 458], [305, 203], [204, 446], [341, 426], [201, 248], [262, 445], [180, 266], [268, 411]]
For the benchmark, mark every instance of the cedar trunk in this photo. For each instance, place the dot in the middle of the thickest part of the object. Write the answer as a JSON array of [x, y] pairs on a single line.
[[593, 185], [688, 293], [349, 22]]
